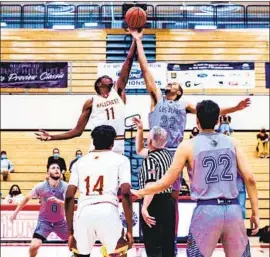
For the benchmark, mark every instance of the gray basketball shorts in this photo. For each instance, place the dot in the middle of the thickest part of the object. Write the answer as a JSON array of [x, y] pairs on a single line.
[[213, 222], [44, 228]]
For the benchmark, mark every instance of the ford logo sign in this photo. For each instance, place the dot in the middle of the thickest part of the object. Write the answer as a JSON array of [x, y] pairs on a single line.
[[245, 66], [134, 74], [202, 75]]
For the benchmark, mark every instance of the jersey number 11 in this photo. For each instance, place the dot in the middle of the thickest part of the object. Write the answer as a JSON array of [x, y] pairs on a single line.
[[108, 111], [97, 187]]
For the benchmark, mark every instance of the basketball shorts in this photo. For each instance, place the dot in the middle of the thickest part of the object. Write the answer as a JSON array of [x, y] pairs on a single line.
[[213, 220], [97, 222], [44, 228]]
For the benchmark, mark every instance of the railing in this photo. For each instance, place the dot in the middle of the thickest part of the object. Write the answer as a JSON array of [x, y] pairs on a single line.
[[112, 16]]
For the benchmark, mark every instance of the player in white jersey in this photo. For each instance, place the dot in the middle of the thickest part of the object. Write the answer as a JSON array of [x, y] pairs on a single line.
[[98, 176], [106, 108]]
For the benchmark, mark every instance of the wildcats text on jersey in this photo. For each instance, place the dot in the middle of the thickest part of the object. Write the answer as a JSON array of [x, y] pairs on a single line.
[[107, 103]]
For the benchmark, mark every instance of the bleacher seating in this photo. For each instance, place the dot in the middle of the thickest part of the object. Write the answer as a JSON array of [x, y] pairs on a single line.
[[30, 158], [112, 16], [84, 49]]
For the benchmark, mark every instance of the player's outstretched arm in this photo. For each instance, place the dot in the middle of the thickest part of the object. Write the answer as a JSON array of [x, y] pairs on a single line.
[[140, 149], [180, 158], [250, 183], [124, 74], [76, 132], [154, 91], [20, 206], [240, 106]]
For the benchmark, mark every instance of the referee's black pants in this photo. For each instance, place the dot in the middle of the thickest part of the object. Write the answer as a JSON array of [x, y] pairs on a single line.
[[159, 240]]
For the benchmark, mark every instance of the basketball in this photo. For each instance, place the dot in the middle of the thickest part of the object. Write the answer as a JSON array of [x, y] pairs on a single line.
[[135, 17]]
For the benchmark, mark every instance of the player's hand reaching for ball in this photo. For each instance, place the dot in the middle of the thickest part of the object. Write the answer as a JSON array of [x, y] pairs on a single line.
[[42, 135], [136, 34]]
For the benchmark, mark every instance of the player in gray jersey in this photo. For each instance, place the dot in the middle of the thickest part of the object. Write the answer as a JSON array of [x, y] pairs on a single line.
[[213, 162], [51, 214], [170, 111]]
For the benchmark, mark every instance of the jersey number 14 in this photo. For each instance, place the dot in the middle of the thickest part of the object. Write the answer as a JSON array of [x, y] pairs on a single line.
[[98, 187]]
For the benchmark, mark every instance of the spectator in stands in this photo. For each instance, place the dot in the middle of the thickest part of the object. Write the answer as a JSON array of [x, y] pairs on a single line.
[[59, 160], [194, 132], [6, 165], [14, 196], [263, 144], [78, 155], [224, 126]]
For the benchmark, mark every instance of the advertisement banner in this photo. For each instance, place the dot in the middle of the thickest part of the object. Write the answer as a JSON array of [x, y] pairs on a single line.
[[136, 81], [33, 74], [267, 74], [23, 227], [202, 75]]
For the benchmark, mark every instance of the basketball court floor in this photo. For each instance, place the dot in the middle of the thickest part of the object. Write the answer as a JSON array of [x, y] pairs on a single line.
[[21, 250]]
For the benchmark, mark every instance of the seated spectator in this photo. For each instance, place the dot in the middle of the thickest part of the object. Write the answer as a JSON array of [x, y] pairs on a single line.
[[15, 195], [6, 165], [194, 132], [59, 160], [263, 144], [78, 155], [224, 126]]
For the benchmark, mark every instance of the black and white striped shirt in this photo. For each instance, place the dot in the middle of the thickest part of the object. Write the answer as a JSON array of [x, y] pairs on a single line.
[[154, 167]]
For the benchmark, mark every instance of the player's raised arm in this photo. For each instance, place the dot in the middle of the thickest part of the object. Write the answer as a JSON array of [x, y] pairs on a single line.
[[250, 183], [154, 91], [124, 74], [240, 106], [180, 158], [76, 132], [140, 149]]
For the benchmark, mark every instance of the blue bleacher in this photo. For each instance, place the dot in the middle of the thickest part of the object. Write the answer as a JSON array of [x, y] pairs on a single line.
[[36, 16]]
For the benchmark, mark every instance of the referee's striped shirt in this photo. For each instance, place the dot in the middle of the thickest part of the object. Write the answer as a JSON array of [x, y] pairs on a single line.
[[154, 167]]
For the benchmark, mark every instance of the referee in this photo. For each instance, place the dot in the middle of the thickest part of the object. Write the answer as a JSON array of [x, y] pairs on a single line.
[[158, 211]]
